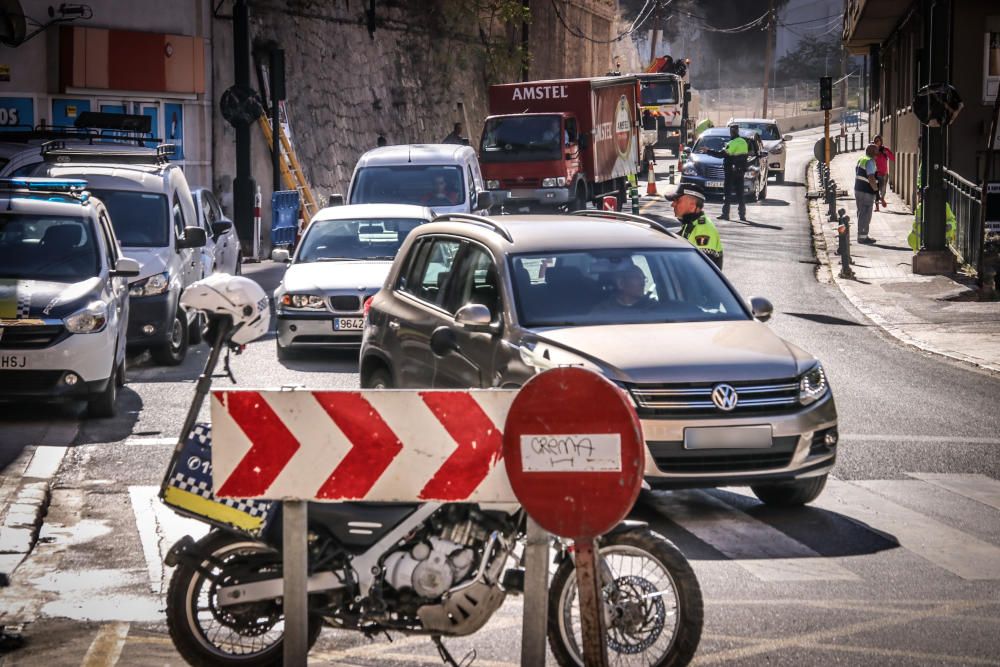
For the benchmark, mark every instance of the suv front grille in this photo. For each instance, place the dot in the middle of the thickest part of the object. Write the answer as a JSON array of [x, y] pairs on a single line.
[[671, 457], [695, 399], [712, 171], [346, 303], [32, 337]]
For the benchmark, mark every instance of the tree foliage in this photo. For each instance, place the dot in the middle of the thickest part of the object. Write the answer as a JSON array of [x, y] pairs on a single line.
[[811, 59]]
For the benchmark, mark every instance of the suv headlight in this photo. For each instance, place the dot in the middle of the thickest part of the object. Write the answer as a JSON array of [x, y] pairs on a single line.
[[151, 286], [812, 385], [90, 319], [304, 301], [492, 184], [690, 169], [555, 182], [780, 148]]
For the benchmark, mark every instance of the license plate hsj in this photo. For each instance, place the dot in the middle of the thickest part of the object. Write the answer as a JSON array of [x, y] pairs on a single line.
[[13, 361], [348, 324], [728, 437]]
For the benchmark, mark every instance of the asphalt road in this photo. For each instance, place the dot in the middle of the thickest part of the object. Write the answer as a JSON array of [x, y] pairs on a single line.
[[896, 563]]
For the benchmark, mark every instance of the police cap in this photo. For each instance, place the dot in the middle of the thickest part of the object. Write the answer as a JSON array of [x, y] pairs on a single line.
[[687, 189]]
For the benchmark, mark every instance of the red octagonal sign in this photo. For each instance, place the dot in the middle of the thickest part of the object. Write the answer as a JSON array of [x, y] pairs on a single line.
[[574, 452]]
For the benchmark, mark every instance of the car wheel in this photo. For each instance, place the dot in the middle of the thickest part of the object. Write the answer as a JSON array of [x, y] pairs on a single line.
[[196, 329], [790, 494], [579, 199], [120, 377], [779, 177], [378, 379], [102, 405], [238, 269], [172, 352]]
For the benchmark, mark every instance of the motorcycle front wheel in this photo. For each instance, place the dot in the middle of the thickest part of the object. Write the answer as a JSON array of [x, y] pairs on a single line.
[[652, 604], [247, 635]]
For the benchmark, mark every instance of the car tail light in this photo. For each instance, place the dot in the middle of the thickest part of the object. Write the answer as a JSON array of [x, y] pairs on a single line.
[[368, 305]]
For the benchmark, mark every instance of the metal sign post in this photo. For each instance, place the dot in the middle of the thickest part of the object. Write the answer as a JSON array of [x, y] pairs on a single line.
[[574, 454], [295, 568], [536, 595]]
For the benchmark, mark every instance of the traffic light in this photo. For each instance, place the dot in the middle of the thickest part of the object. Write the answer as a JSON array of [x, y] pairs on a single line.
[[826, 93]]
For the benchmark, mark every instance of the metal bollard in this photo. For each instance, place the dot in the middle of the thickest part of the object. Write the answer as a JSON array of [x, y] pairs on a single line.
[[844, 247], [831, 199]]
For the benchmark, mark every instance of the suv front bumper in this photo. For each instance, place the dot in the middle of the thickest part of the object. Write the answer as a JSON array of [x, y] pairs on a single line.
[[156, 312], [798, 450], [42, 372]]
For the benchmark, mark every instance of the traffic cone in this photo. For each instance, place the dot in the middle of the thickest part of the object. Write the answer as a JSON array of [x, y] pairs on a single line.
[[650, 180]]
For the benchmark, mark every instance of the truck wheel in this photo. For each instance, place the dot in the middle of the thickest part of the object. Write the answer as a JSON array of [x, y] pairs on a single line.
[[172, 352], [579, 199]]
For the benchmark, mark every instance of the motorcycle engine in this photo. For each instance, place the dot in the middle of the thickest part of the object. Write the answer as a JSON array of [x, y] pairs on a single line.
[[434, 564]]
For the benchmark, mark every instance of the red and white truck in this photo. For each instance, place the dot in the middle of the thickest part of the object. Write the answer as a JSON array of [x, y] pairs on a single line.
[[560, 143]]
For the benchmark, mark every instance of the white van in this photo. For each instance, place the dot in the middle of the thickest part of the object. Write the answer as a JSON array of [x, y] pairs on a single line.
[[443, 177], [154, 217]]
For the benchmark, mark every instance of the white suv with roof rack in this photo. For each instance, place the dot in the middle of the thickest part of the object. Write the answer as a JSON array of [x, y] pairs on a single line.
[[154, 217], [64, 299]]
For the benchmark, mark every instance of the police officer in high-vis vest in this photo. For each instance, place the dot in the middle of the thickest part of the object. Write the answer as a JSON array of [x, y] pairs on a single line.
[[865, 191], [734, 166], [688, 204]]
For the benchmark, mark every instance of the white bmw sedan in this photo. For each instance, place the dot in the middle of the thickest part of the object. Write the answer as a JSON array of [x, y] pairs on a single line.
[[341, 261]]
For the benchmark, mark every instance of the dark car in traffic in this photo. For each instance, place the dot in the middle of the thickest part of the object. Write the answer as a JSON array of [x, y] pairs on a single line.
[[706, 171]]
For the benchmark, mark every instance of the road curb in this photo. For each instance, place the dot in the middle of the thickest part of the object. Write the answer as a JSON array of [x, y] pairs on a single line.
[[22, 521], [821, 249]]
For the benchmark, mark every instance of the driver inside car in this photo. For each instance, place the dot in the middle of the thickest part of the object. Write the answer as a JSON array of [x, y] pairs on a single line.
[[629, 292], [441, 194]]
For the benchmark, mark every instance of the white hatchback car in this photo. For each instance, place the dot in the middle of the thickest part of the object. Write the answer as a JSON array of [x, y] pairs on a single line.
[[222, 253], [64, 303], [772, 140], [341, 262]]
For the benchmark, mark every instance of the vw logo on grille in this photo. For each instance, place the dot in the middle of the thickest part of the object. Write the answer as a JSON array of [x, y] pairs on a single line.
[[725, 397]]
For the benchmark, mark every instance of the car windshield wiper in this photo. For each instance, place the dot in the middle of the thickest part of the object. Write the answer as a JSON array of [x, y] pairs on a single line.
[[331, 259], [388, 257]]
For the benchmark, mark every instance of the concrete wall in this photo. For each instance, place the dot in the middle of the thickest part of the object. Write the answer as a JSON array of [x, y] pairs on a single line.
[[806, 120]]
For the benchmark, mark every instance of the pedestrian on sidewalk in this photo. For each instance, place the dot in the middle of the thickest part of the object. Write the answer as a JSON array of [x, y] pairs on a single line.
[[865, 192], [882, 168]]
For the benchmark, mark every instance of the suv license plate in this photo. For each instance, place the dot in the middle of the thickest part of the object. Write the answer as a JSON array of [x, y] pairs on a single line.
[[728, 437], [715, 184], [13, 361], [348, 324]]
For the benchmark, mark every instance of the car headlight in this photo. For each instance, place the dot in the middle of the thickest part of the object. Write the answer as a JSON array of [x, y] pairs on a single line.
[[151, 286], [304, 301], [556, 182], [812, 385], [493, 185], [90, 319], [780, 148], [690, 169]]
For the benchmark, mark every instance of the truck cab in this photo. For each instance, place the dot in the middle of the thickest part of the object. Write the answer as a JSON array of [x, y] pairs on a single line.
[[546, 148], [661, 103]]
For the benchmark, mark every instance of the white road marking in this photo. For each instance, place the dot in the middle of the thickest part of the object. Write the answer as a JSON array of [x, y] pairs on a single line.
[[956, 551], [107, 646], [980, 488], [159, 529], [136, 442], [960, 439], [760, 549], [45, 462]]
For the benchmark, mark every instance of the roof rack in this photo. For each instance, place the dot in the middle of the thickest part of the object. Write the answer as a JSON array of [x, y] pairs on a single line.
[[58, 151], [70, 187], [628, 217], [476, 220]]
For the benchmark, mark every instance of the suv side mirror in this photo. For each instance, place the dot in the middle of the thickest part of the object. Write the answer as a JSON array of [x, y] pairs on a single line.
[[194, 237], [125, 267], [484, 200], [761, 308], [281, 255], [584, 142], [221, 227], [474, 317]]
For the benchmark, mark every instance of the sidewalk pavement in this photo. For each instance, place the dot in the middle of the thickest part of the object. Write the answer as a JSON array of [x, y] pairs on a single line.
[[937, 314]]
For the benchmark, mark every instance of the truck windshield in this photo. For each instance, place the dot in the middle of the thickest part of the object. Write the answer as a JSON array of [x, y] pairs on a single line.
[[609, 286], [419, 184], [368, 238], [47, 247], [140, 219], [521, 138], [659, 92]]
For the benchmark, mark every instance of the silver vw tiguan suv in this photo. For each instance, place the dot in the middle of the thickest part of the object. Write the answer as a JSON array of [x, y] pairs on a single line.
[[476, 301]]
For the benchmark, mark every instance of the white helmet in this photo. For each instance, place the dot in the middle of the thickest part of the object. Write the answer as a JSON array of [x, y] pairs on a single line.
[[242, 299]]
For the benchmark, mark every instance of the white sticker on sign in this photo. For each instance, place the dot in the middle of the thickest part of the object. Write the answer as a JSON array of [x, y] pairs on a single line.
[[583, 452]]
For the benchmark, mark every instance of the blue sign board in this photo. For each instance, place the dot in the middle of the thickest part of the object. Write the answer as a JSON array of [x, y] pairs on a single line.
[[65, 111], [173, 124], [16, 113]]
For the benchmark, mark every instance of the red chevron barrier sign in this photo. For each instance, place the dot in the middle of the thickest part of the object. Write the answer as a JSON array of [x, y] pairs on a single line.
[[387, 446]]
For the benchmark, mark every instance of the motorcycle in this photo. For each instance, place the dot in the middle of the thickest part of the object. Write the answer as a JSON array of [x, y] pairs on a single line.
[[434, 569]]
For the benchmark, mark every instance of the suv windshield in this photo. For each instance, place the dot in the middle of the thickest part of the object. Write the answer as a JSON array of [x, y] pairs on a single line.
[[717, 142], [518, 138], [600, 287], [422, 185], [767, 131], [139, 218], [369, 238], [45, 247], [658, 92]]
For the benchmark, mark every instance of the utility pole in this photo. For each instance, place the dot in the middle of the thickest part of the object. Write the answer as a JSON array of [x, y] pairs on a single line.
[[768, 52], [243, 185]]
